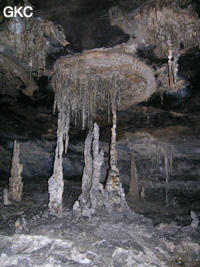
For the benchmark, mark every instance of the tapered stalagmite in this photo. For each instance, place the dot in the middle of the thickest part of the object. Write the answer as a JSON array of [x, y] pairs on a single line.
[[133, 185], [56, 183], [115, 197], [87, 172], [91, 197], [15, 181], [96, 168]]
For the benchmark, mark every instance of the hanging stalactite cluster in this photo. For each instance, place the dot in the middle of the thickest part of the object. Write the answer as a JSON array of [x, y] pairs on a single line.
[[85, 94], [31, 40], [153, 24], [90, 81], [83, 84]]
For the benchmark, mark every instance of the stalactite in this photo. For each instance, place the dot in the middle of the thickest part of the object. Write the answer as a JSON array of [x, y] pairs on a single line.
[[170, 71], [163, 153], [15, 181], [86, 90], [22, 34]]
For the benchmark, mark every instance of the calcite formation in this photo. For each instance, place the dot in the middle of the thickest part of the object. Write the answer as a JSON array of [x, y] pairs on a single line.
[[95, 197], [25, 45], [162, 25], [134, 177], [114, 195], [15, 181], [88, 80], [55, 183], [92, 196], [84, 84]]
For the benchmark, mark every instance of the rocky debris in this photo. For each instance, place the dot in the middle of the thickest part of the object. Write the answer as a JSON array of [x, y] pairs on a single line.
[[99, 241]]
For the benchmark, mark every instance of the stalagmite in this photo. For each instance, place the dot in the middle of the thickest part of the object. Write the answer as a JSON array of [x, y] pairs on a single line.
[[15, 181], [56, 182], [83, 204], [91, 197], [133, 185], [6, 200], [97, 165], [87, 172], [115, 197], [168, 157]]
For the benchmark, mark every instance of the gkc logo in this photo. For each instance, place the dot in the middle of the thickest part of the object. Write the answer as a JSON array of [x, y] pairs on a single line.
[[12, 12]]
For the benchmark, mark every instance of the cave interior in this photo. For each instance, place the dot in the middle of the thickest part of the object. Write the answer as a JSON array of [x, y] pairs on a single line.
[[99, 133]]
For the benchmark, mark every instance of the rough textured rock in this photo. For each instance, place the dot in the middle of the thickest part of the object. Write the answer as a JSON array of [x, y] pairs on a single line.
[[22, 54], [99, 241]]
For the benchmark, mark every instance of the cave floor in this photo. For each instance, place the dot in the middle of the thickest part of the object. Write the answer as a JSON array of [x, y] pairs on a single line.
[[30, 236]]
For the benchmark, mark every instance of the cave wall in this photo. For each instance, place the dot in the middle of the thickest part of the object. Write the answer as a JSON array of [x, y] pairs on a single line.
[[27, 78]]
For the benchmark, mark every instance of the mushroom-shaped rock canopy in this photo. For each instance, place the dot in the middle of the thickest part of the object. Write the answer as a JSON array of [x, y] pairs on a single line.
[[91, 81]]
